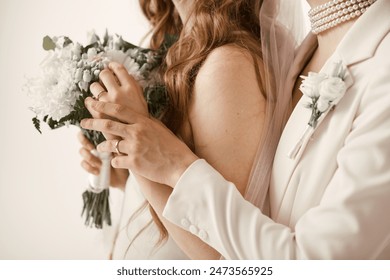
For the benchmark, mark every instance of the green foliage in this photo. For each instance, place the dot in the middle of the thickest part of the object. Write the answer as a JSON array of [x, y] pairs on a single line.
[[67, 41], [96, 209], [48, 43], [37, 124], [169, 40], [157, 99], [92, 45], [106, 38]]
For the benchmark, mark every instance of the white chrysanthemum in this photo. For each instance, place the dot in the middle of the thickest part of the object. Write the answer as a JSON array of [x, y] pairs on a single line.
[[130, 64], [54, 93]]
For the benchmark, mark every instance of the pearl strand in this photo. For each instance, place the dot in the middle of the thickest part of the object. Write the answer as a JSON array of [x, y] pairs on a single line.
[[338, 5], [322, 7], [336, 12]]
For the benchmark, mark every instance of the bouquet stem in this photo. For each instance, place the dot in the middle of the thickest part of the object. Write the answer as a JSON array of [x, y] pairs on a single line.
[[96, 208]]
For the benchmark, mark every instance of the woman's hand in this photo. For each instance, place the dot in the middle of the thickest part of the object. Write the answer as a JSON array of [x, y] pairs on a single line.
[[90, 163], [116, 86], [148, 148], [119, 87], [93, 164]]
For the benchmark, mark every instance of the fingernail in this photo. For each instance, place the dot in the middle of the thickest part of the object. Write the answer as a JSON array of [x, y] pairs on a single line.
[[88, 100], [82, 123]]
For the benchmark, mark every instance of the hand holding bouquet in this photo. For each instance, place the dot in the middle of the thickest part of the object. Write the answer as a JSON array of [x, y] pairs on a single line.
[[58, 96]]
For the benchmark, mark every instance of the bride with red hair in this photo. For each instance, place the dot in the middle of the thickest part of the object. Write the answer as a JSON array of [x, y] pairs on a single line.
[[329, 183], [217, 82]]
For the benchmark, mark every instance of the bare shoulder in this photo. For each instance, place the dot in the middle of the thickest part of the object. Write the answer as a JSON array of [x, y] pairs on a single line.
[[228, 70], [226, 61], [230, 53], [227, 113]]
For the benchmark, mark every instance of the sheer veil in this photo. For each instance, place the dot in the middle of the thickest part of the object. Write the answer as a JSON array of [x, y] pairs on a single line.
[[282, 30]]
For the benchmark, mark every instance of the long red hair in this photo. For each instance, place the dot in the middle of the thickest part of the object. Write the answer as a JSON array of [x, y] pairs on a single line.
[[214, 23]]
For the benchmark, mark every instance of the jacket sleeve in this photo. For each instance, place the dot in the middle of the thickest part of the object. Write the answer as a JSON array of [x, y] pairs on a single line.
[[207, 205], [351, 222]]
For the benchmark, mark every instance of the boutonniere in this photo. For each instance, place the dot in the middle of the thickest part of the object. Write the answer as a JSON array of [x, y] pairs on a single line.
[[324, 91]]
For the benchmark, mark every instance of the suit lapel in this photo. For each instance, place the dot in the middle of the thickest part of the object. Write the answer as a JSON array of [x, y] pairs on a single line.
[[299, 146], [372, 27], [366, 34], [349, 53], [296, 131], [303, 55]]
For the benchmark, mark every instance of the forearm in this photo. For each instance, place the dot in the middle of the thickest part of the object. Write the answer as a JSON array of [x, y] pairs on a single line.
[[238, 230], [157, 195], [231, 223]]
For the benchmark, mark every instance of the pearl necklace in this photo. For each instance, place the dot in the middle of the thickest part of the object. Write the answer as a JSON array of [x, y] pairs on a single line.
[[335, 12]]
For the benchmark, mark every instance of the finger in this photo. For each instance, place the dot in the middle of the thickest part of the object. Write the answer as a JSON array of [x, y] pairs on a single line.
[[111, 146], [121, 73], [98, 91], [106, 126], [89, 168], [136, 88], [116, 111], [109, 80], [85, 142], [125, 78], [120, 162], [90, 158]]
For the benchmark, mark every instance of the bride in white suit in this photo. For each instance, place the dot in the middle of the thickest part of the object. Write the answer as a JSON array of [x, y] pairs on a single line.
[[329, 191]]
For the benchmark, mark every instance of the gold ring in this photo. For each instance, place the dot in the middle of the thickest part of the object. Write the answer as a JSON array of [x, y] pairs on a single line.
[[117, 147], [99, 94]]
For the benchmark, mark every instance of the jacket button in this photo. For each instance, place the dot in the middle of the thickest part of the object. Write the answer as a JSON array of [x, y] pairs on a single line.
[[185, 223], [203, 234], [193, 229]]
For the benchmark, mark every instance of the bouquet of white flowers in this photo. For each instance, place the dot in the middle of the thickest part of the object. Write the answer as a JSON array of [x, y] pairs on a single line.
[[58, 94]]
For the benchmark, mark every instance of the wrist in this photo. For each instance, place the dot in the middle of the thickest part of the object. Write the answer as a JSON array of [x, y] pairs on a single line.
[[180, 167]]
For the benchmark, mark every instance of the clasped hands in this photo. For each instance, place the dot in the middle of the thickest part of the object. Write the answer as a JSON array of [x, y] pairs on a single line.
[[148, 148]]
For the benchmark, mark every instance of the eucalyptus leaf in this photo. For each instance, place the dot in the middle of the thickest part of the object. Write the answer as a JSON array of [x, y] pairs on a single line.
[[48, 44], [106, 38], [67, 41], [37, 124]]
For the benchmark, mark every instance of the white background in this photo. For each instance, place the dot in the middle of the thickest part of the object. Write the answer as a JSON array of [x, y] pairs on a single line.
[[41, 180]]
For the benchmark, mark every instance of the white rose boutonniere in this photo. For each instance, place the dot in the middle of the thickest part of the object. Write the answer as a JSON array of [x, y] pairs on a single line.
[[324, 92]]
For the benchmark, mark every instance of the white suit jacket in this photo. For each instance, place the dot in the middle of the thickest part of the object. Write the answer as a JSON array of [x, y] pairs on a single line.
[[332, 201]]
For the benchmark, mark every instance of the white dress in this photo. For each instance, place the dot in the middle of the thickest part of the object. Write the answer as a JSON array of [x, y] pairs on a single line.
[[133, 223]]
